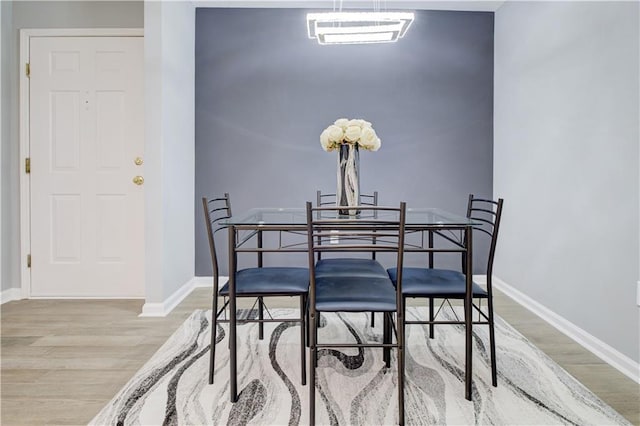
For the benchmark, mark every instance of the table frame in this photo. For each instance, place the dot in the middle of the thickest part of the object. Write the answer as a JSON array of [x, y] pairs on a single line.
[[466, 248]]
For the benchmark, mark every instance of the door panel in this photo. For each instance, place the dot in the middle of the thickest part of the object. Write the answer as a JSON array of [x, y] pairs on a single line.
[[86, 129]]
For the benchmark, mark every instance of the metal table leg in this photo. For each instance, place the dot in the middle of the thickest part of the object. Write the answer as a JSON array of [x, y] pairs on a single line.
[[233, 379], [468, 300]]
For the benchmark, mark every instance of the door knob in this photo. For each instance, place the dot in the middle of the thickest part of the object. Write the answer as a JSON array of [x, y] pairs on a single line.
[[138, 180]]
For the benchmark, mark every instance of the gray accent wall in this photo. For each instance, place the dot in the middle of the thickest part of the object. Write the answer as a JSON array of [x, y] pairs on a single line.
[[265, 92], [39, 14], [566, 160]]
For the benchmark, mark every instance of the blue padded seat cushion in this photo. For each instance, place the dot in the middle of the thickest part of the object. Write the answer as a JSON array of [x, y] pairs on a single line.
[[441, 283], [355, 294], [350, 267], [270, 280]]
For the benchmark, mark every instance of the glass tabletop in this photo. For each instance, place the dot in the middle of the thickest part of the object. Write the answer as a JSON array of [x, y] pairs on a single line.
[[298, 217]]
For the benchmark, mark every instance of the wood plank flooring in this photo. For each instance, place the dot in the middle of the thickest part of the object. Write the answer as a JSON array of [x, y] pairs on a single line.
[[63, 360]]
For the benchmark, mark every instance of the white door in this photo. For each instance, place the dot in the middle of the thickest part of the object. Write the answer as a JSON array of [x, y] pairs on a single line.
[[86, 124]]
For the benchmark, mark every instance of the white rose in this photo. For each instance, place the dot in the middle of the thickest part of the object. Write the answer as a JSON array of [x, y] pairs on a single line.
[[368, 138], [324, 140], [342, 123], [352, 134], [361, 123], [376, 144], [335, 133]]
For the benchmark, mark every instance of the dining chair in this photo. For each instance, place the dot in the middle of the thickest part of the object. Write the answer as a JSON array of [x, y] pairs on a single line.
[[324, 200], [432, 283], [256, 283], [379, 229], [362, 266]]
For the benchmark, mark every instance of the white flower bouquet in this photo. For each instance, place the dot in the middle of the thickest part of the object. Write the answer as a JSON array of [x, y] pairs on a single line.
[[354, 132]]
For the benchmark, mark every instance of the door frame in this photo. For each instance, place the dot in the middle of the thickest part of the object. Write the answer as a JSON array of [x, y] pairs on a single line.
[[25, 152]]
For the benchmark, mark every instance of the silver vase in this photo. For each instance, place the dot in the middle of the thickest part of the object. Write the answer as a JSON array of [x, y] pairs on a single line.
[[348, 192]]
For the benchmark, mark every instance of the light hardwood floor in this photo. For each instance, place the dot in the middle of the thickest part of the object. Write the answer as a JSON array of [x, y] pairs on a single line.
[[63, 360]]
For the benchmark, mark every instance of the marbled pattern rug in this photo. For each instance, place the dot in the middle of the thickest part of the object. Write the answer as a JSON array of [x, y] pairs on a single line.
[[354, 387]]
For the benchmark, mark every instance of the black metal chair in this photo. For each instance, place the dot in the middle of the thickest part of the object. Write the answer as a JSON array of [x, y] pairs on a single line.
[[363, 266], [355, 290], [448, 284], [327, 200], [256, 283]]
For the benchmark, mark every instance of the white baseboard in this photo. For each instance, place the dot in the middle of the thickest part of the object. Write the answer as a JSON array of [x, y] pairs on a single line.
[[481, 280], [208, 281], [84, 297], [602, 350], [164, 308], [10, 294]]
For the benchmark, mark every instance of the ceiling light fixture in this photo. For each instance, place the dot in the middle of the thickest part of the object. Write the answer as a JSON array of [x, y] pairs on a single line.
[[358, 27]]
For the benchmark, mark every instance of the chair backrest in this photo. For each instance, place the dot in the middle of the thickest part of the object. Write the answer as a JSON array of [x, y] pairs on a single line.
[[215, 210], [330, 199], [369, 199], [488, 212], [326, 200], [375, 229]]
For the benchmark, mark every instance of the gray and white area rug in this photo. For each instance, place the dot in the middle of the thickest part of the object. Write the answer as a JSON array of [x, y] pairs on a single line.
[[354, 387]]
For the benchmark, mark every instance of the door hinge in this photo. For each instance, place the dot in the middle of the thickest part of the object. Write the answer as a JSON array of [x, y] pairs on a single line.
[[27, 69], [28, 261], [27, 165]]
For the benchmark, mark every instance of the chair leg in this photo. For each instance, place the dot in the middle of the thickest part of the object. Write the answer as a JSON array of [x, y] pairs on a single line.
[[316, 330], [214, 330], [312, 373], [468, 350], [492, 344], [401, 352], [431, 318], [303, 347], [386, 338], [225, 316], [308, 323], [260, 317]]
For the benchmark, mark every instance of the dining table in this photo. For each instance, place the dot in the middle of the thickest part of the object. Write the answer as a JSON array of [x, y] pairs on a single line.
[[246, 235]]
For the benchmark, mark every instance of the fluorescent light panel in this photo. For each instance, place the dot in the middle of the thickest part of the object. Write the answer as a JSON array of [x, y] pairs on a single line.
[[356, 38], [358, 27], [393, 27]]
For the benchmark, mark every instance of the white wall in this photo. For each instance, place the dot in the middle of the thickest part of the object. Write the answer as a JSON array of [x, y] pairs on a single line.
[[169, 147], [566, 161], [2, 97], [169, 104], [39, 14], [8, 275]]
